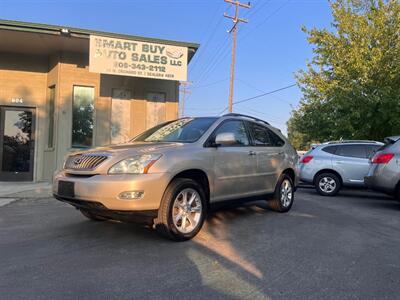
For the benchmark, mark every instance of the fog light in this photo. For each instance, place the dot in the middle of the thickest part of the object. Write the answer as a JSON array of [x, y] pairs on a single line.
[[131, 195]]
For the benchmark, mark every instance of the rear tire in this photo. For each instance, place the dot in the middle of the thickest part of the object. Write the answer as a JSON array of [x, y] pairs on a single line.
[[182, 211], [397, 193], [92, 216], [283, 198], [327, 184]]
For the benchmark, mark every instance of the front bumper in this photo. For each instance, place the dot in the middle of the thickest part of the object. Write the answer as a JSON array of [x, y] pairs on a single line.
[[105, 189], [145, 217]]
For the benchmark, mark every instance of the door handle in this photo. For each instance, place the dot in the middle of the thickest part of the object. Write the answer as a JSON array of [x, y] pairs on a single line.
[[276, 153], [252, 153]]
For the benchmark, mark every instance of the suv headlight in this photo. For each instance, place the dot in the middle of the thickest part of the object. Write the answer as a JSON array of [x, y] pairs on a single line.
[[139, 164]]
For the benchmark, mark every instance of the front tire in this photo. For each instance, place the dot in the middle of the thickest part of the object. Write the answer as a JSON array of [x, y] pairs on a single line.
[[284, 195], [328, 184], [182, 211]]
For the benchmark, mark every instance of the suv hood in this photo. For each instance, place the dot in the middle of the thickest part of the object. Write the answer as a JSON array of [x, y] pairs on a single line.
[[133, 148]]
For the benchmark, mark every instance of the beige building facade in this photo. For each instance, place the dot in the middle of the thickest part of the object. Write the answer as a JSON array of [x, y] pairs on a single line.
[[51, 104]]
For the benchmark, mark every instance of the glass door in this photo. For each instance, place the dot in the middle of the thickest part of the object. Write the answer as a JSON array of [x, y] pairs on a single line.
[[17, 145]]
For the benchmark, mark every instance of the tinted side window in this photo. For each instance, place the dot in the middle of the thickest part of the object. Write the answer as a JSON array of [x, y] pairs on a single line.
[[237, 128], [260, 134], [352, 151], [330, 149], [276, 141]]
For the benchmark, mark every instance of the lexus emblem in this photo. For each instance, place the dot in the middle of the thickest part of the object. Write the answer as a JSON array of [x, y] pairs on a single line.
[[77, 161]]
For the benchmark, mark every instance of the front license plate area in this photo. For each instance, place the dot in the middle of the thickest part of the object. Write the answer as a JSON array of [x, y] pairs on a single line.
[[66, 189]]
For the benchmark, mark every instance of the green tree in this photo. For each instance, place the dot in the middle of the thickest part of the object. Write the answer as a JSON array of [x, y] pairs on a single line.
[[351, 87]]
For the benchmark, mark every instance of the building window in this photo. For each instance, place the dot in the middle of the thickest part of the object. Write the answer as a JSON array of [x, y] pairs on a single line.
[[50, 107], [82, 117]]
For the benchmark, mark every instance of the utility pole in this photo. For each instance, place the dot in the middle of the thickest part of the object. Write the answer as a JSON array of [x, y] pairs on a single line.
[[185, 91], [236, 20]]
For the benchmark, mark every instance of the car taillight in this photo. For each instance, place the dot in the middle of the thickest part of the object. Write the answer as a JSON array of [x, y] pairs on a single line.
[[382, 158], [306, 159]]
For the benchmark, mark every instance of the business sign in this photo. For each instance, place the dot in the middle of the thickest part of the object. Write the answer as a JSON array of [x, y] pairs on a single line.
[[138, 59]]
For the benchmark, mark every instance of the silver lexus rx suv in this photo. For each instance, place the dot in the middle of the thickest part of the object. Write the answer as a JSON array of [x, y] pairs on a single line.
[[169, 175]]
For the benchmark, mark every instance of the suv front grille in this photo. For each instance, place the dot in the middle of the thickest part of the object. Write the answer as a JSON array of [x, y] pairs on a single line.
[[84, 162]]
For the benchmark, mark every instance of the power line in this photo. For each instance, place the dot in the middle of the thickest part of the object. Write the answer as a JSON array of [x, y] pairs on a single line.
[[265, 94], [220, 55], [262, 91], [210, 84], [261, 95], [202, 48], [210, 68], [257, 9], [222, 51], [213, 61], [264, 20], [276, 119]]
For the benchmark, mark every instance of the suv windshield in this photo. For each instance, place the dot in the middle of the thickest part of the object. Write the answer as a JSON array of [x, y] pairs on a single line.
[[187, 130]]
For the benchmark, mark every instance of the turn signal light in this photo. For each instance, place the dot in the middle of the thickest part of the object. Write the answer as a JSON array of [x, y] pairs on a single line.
[[131, 195], [382, 158], [306, 159]]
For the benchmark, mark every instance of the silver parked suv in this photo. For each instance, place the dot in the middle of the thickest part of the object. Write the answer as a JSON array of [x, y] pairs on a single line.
[[331, 165], [169, 175], [384, 174]]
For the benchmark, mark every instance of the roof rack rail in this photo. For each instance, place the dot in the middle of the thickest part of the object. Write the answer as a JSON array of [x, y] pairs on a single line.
[[352, 141], [245, 116]]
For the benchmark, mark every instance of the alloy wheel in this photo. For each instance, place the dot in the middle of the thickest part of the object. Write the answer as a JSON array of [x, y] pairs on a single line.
[[327, 184], [187, 210], [286, 193]]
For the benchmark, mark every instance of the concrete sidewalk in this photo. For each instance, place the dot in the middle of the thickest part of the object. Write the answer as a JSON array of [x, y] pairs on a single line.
[[11, 191]]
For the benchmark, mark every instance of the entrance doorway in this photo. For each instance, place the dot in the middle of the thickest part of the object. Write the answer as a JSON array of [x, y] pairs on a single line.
[[120, 116], [17, 145], [156, 111]]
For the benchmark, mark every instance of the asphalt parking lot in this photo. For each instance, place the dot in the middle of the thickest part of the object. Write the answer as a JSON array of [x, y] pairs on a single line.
[[347, 247]]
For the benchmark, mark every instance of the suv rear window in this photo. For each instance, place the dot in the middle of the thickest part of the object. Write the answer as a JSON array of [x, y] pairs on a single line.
[[276, 141], [330, 149], [260, 134], [263, 136]]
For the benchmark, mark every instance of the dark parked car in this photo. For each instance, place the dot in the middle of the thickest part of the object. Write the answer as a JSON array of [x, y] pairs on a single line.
[[384, 174]]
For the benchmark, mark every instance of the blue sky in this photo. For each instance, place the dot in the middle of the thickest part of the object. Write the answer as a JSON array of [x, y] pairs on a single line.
[[271, 47]]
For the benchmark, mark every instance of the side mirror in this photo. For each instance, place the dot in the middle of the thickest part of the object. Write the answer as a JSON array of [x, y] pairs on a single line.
[[225, 139]]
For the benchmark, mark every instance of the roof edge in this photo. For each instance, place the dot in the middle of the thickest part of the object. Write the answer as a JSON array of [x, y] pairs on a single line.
[[85, 33]]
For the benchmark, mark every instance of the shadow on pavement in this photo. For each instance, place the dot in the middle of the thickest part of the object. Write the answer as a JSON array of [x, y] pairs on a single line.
[[244, 251], [55, 251]]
